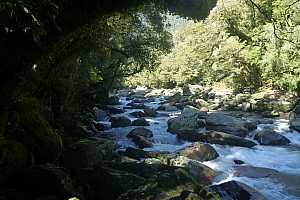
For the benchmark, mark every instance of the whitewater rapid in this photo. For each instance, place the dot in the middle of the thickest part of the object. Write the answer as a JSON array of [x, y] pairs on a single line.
[[285, 185]]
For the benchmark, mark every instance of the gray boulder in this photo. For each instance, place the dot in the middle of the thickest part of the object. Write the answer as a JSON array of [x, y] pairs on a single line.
[[150, 112], [142, 142], [100, 114], [270, 137], [120, 121], [141, 132], [203, 174], [138, 114], [200, 152], [187, 120], [294, 118], [140, 122], [253, 172], [216, 137], [227, 124]]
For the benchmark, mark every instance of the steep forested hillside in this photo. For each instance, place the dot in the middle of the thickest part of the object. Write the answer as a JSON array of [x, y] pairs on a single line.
[[242, 44]]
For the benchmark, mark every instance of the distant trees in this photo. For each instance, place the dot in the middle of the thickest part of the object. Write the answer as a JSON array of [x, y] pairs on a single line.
[[243, 44]]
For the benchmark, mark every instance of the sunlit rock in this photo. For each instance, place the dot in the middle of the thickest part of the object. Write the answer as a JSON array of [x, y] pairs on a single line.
[[253, 172], [294, 119], [227, 124], [200, 152]]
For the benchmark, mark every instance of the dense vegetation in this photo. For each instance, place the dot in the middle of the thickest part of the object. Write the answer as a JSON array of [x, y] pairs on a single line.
[[59, 56], [242, 44]]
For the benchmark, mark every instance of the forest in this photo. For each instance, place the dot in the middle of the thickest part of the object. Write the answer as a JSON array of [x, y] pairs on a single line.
[[59, 59]]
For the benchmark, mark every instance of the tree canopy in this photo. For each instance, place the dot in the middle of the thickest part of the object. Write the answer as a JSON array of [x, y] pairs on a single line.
[[243, 44]]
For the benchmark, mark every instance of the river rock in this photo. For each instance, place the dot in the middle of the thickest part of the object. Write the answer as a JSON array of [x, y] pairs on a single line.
[[189, 90], [135, 153], [142, 142], [200, 152], [140, 122], [163, 182], [120, 121], [101, 115], [191, 135], [150, 112], [81, 154], [227, 124], [187, 120], [294, 118], [165, 105], [203, 174], [171, 108], [138, 114], [73, 129], [48, 179], [216, 137], [270, 137], [234, 190], [112, 109], [253, 172], [141, 132]]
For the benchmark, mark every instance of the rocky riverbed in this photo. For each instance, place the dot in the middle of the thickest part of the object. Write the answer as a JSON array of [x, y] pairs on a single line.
[[223, 150], [193, 143]]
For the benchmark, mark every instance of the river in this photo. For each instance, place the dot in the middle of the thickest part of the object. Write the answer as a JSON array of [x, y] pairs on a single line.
[[285, 185]]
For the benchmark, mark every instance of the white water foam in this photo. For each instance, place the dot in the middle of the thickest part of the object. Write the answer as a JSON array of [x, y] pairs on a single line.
[[285, 159]]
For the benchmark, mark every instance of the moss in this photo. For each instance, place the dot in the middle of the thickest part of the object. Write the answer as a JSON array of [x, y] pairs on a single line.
[[81, 154], [13, 158], [26, 133]]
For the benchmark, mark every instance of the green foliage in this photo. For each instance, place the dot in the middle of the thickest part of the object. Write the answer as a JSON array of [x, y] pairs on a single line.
[[28, 16], [244, 44]]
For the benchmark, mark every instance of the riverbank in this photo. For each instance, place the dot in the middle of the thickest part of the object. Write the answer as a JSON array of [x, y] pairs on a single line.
[[156, 143]]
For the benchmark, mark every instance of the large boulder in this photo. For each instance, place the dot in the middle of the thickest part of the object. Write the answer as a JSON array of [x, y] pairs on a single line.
[[81, 154], [138, 114], [135, 153], [203, 174], [120, 121], [216, 137], [192, 135], [200, 152], [294, 118], [140, 122], [140, 131], [48, 179], [142, 142], [187, 120], [253, 172], [235, 190], [150, 112], [73, 129], [270, 137], [101, 115], [227, 124]]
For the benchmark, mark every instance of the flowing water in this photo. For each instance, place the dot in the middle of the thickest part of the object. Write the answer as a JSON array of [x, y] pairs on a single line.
[[284, 185]]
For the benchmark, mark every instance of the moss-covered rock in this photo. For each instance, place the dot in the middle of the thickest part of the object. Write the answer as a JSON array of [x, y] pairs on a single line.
[[48, 179], [13, 157], [81, 154], [25, 132]]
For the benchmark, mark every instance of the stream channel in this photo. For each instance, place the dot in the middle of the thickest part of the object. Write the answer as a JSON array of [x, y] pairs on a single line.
[[285, 185]]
